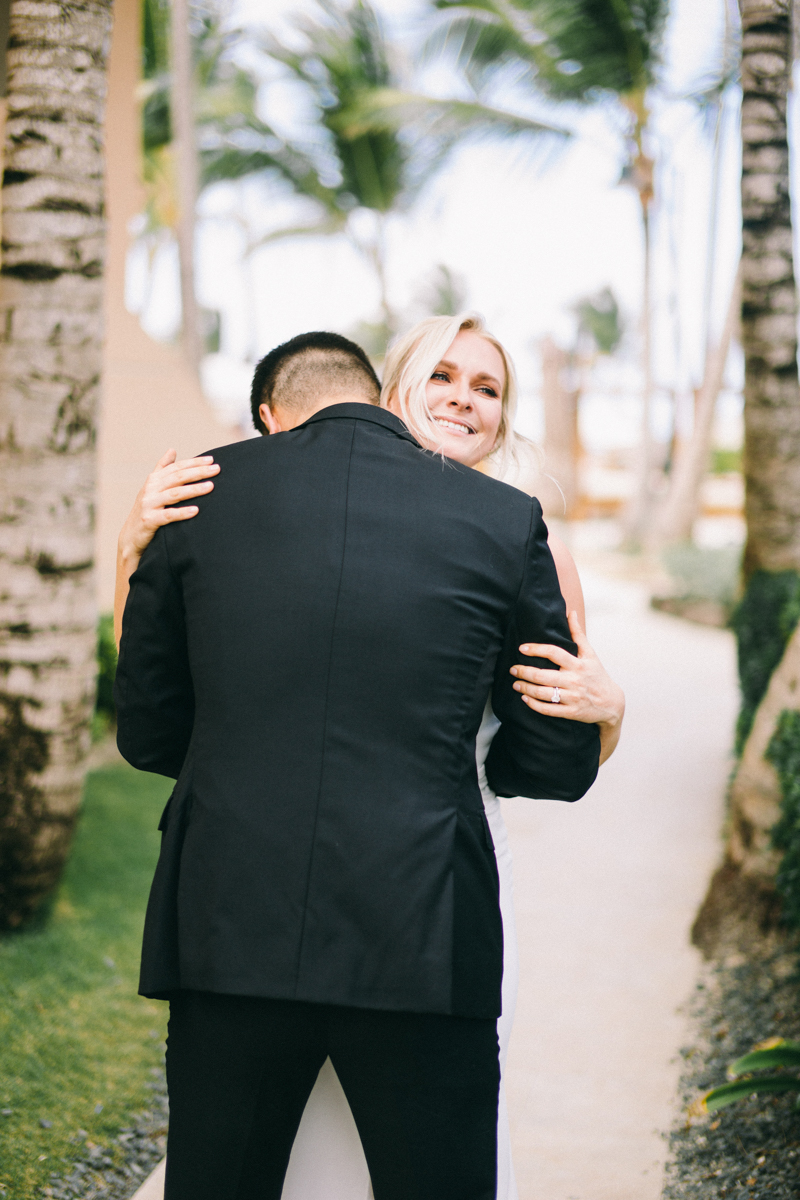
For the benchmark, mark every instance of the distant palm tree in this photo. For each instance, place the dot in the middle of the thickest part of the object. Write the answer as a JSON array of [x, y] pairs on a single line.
[[348, 167], [380, 142], [199, 125], [585, 52], [344, 57]]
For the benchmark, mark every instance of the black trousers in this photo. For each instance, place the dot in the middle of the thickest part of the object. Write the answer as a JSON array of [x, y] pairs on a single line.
[[422, 1088]]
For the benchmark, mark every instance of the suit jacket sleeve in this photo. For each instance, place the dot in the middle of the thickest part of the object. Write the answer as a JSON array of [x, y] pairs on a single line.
[[534, 755], [153, 688]]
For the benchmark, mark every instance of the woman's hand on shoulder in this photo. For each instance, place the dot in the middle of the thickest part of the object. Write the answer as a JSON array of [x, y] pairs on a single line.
[[170, 482], [586, 691]]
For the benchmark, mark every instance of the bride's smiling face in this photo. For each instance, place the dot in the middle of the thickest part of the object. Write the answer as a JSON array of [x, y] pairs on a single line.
[[465, 396]]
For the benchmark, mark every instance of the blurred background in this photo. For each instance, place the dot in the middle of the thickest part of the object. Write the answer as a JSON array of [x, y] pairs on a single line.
[[358, 168]]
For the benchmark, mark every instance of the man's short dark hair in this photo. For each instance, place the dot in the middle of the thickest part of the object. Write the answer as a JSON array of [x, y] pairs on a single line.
[[301, 371]]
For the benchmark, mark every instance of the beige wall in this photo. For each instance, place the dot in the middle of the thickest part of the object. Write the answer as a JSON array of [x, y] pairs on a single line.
[[151, 399]]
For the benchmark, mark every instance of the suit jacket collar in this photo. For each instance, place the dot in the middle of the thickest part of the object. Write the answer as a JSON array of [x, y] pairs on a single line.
[[363, 412]]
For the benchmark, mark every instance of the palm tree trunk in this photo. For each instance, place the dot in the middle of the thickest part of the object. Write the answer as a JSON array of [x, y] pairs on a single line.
[[187, 171], [561, 442], [683, 501], [769, 298], [771, 449], [50, 354], [639, 514]]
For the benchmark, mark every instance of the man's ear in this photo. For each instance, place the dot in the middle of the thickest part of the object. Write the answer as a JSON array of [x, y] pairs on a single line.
[[270, 420]]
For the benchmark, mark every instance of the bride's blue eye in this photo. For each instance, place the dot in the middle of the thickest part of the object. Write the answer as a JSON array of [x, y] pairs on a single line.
[[440, 375]]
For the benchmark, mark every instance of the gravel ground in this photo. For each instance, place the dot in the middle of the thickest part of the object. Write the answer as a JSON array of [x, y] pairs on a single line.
[[751, 1149], [118, 1169]]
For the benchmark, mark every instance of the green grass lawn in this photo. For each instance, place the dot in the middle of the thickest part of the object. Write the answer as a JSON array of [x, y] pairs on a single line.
[[78, 1044]]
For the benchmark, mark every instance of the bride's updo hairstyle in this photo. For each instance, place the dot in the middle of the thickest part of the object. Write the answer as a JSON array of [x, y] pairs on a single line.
[[411, 361]]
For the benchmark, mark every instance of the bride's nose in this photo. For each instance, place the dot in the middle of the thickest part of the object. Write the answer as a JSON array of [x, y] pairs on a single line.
[[460, 399]]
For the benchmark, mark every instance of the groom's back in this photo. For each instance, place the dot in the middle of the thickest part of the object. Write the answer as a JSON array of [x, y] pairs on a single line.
[[345, 597]]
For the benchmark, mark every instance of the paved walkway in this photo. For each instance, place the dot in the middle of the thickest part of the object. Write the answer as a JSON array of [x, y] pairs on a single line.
[[606, 891]]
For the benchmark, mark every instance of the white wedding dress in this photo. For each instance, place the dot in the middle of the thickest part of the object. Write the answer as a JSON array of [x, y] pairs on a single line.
[[327, 1161]]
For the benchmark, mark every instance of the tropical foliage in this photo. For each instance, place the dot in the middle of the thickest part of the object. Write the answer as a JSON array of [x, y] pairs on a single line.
[[584, 52], [381, 141], [351, 160], [766, 1056], [784, 754], [763, 622], [232, 139], [600, 320]]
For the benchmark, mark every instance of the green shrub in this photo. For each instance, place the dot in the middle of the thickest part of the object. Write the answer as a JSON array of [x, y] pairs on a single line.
[[702, 573], [105, 715], [784, 754], [763, 621]]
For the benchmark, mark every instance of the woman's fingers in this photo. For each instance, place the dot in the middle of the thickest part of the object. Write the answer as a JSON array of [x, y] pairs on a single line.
[[166, 459], [175, 495], [159, 495], [179, 474], [167, 516], [555, 653], [569, 689], [543, 691], [548, 709], [201, 466], [540, 675], [578, 633]]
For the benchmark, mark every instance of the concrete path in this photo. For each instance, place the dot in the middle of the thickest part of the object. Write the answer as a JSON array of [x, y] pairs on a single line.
[[606, 891], [153, 1187]]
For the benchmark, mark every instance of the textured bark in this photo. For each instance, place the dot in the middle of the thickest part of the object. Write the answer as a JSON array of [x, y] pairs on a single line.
[[50, 353], [755, 795], [743, 888], [769, 297]]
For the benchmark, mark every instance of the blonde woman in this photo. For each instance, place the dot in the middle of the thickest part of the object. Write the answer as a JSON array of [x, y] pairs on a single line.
[[453, 385]]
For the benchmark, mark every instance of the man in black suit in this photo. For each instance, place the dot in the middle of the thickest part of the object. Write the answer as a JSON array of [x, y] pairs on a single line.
[[310, 658]]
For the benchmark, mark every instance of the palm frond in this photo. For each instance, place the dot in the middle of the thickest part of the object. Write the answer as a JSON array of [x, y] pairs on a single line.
[[344, 57], [323, 227], [578, 48], [391, 108]]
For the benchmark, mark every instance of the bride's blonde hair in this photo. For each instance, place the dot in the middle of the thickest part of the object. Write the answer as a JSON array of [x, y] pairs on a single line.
[[410, 363]]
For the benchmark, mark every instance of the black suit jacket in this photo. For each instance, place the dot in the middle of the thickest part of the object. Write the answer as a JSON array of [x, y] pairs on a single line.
[[310, 656]]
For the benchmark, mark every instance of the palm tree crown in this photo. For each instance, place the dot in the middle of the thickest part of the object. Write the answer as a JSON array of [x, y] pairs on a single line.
[[576, 49]]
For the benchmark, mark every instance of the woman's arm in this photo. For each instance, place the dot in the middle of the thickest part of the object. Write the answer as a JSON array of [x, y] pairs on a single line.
[[568, 578], [587, 691], [167, 484]]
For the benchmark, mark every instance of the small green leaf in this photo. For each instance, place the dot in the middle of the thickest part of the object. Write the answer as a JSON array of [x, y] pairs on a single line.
[[730, 1092], [781, 1053]]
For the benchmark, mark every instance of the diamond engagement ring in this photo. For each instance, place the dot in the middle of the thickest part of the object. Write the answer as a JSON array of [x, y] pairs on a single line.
[[556, 696]]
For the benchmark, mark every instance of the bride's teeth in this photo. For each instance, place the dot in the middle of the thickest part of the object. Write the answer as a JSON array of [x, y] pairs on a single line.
[[452, 424]]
